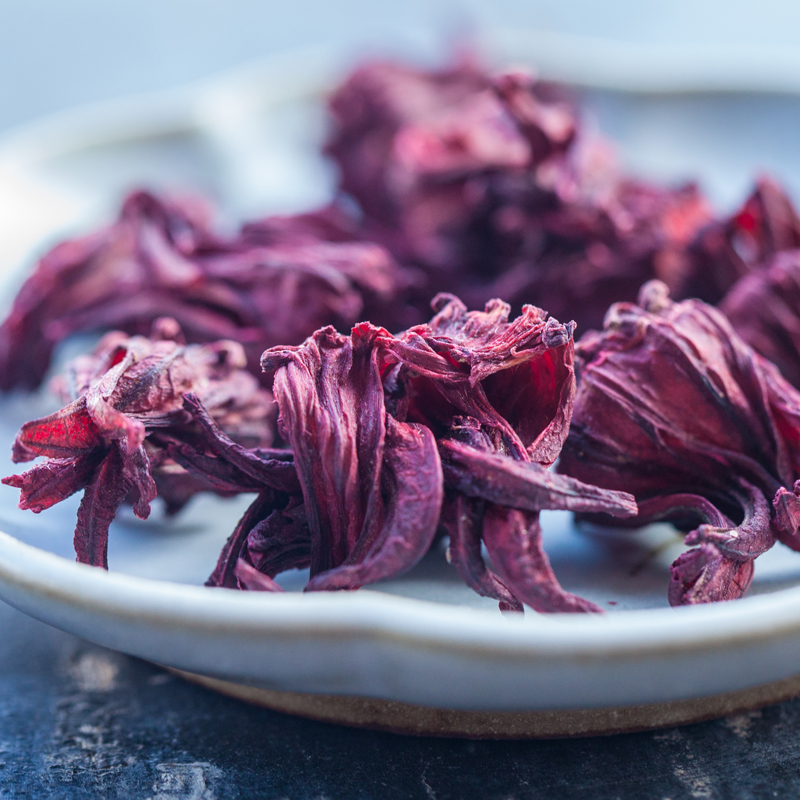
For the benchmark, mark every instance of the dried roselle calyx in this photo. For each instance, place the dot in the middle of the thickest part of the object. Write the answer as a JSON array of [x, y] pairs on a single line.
[[408, 142], [764, 309], [444, 427], [478, 364], [489, 185], [499, 396], [148, 413], [127, 272], [161, 258], [766, 224], [371, 484], [673, 406]]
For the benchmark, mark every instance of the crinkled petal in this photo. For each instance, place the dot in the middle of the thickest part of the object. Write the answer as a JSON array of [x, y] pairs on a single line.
[[514, 541], [412, 481], [103, 495], [462, 517]]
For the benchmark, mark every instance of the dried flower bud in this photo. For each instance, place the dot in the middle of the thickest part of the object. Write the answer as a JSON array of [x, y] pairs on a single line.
[[673, 406]]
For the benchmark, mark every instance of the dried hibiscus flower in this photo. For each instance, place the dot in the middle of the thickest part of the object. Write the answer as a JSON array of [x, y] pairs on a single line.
[[489, 184], [371, 484], [161, 258], [449, 424], [727, 250], [764, 308], [146, 416], [499, 396], [673, 406]]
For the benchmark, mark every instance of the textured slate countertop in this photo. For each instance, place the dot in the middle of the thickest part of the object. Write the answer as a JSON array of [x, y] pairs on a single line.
[[78, 721]]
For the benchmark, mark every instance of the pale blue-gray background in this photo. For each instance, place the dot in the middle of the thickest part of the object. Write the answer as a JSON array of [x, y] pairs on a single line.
[[58, 53]]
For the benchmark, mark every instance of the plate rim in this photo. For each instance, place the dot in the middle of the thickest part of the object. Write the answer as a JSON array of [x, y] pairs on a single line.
[[372, 615]]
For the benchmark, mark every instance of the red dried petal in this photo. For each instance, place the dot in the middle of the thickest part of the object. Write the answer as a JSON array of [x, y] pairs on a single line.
[[103, 495], [514, 541], [66, 433], [412, 485]]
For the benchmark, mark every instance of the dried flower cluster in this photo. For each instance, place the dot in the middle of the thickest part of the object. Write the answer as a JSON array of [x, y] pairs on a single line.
[[146, 417], [452, 423], [160, 258], [476, 184]]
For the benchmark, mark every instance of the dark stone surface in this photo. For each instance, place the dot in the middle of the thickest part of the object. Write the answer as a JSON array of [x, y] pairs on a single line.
[[78, 721]]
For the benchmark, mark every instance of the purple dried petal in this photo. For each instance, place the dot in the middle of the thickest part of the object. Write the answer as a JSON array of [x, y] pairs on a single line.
[[103, 495], [217, 473], [225, 572], [160, 258], [725, 251], [764, 309], [524, 485], [270, 469], [412, 484], [331, 402], [787, 515], [136, 466], [281, 541], [462, 517], [49, 483], [705, 575], [514, 541]]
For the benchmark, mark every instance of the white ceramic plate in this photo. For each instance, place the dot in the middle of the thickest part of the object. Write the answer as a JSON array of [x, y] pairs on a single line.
[[251, 141]]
